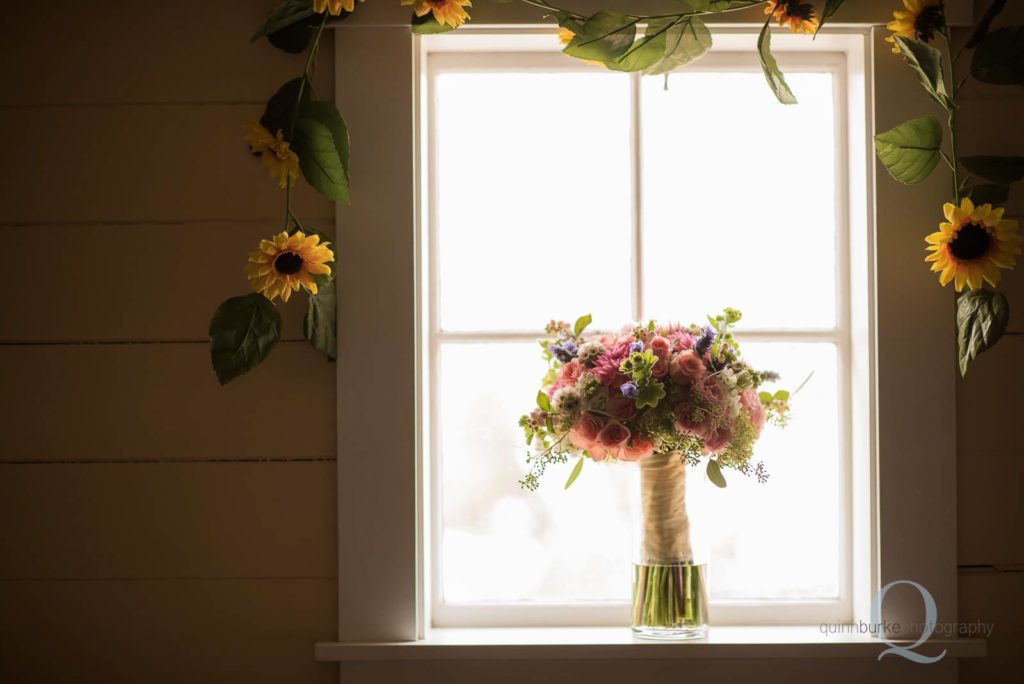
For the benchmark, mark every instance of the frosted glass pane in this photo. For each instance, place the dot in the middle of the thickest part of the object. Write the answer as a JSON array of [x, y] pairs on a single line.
[[739, 199], [533, 181], [501, 544]]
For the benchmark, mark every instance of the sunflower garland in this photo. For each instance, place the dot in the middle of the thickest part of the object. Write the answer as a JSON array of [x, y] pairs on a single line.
[[973, 246]]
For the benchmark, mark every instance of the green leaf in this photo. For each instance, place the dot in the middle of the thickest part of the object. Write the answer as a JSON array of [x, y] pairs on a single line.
[[999, 58], [804, 383], [319, 159], [277, 115], [543, 402], [328, 115], [765, 397], [715, 473], [989, 193], [243, 332], [644, 52], [428, 25], [296, 38], [981, 28], [772, 73], [605, 36], [981, 319], [567, 20], [685, 42], [650, 394], [912, 150], [781, 395], [575, 472], [998, 169], [927, 62], [320, 325], [831, 7], [720, 5], [581, 324], [288, 13]]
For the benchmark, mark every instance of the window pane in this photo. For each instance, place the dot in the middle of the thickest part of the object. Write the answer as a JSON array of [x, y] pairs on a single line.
[[531, 166], [740, 211]]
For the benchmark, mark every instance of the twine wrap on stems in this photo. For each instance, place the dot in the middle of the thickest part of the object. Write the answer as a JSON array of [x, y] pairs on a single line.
[[666, 523]]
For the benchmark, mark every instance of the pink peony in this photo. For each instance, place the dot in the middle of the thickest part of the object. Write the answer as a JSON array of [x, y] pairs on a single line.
[[613, 435], [638, 447], [687, 367], [751, 403], [717, 439], [620, 407]]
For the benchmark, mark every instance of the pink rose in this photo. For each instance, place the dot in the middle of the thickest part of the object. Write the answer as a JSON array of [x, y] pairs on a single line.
[[751, 403], [639, 447], [716, 440], [613, 435], [690, 422], [661, 347], [570, 372], [583, 435], [687, 367], [620, 407], [711, 390]]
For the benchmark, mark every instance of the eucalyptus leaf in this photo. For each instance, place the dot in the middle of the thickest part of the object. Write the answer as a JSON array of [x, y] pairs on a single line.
[[715, 473], [998, 169], [989, 193], [606, 36], [927, 62], [685, 42], [319, 159], [320, 325], [912, 150], [243, 332], [999, 58], [575, 472], [772, 73], [981, 319]]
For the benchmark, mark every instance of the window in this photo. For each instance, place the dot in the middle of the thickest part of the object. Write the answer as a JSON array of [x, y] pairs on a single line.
[[555, 189]]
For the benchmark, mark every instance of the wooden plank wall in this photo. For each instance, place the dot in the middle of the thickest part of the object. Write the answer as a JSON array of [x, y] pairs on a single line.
[[155, 526]]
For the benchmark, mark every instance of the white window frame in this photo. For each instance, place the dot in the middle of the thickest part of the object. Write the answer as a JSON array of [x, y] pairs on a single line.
[[912, 524], [734, 51]]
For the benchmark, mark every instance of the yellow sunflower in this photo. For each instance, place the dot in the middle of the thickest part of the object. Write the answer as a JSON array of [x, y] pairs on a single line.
[[921, 21], [449, 12], [798, 15], [275, 153], [974, 244], [281, 265], [334, 6]]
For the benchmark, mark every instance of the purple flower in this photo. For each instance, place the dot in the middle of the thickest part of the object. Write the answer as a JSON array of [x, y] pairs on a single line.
[[703, 343], [637, 346], [630, 390], [564, 352]]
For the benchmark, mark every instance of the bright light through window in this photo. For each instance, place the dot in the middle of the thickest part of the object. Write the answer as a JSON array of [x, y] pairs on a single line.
[[546, 204]]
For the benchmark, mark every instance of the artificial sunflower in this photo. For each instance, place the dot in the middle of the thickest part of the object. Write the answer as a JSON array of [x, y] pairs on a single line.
[[275, 153], [974, 244], [921, 21], [281, 265], [446, 12], [798, 15], [334, 6]]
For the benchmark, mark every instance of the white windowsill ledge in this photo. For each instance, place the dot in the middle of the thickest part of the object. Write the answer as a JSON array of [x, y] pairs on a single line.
[[558, 643]]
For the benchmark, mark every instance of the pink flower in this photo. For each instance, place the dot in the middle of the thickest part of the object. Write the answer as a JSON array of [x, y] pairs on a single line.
[[687, 367], [613, 435], [583, 435], [681, 339], [620, 407], [711, 391], [690, 422], [755, 410], [606, 367], [661, 347], [717, 439], [639, 447], [570, 372]]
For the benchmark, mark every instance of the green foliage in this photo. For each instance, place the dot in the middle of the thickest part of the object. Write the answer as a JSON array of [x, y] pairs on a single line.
[[645, 52], [320, 324], [999, 58], [912, 150], [650, 394], [581, 324], [605, 37], [575, 472], [428, 25], [715, 473], [981, 319], [827, 12], [288, 13], [772, 73], [982, 27], [321, 141], [720, 5], [280, 110], [543, 402], [1003, 170], [989, 193], [243, 332], [926, 61], [685, 42]]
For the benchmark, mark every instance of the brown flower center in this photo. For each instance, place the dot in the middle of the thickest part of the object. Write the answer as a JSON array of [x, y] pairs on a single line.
[[929, 21], [800, 10], [288, 263], [971, 242]]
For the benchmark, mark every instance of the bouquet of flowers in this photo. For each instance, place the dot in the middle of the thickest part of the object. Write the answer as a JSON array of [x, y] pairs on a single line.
[[654, 389]]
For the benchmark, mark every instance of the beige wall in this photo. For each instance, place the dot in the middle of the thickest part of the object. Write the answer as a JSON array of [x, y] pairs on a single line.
[[156, 527]]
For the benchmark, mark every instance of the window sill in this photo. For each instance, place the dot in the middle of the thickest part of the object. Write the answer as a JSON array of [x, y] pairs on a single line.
[[619, 643]]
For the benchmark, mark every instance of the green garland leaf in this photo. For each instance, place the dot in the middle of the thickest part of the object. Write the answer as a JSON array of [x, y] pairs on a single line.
[[715, 473], [999, 58], [427, 25], [982, 27], [927, 62], [320, 152], [981, 319], [575, 472], [320, 325], [831, 7], [243, 332], [685, 42], [645, 52], [996, 168], [989, 193], [277, 115], [605, 37], [772, 73], [912, 150], [288, 13]]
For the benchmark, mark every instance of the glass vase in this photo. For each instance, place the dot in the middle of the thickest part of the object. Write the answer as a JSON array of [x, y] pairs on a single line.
[[670, 591]]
